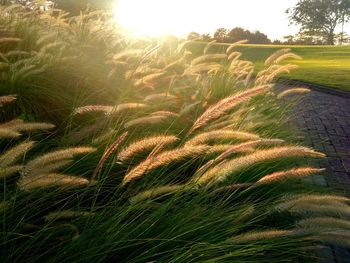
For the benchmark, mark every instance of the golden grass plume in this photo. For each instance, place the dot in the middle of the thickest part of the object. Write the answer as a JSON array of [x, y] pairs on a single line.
[[292, 92], [93, 108], [237, 148], [208, 58], [164, 158], [129, 106], [271, 59], [264, 235], [49, 158], [220, 172], [29, 183], [209, 46], [148, 120], [10, 171], [7, 99], [206, 137], [159, 97], [108, 152], [323, 223], [165, 113], [145, 144], [289, 174], [13, 154], [220, 108], [234, 56], [8, 133], [310, 199], [156, 192], [234, 45], [203, 68]]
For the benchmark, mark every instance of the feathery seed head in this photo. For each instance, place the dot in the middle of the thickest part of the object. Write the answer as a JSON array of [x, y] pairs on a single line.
[[271, 59], [7, 99], [12, 155], [146, 121], [156, 192], [221, 135], [93, 108], [234, 45], [220, 172], [164, 158], [208, 58], [260, 236], [209, 46], [292, 92], [220, 108], [159, 97], [145, 144], [32, 182], [60, 155], [7, 134], [10, 171], [290, 174]]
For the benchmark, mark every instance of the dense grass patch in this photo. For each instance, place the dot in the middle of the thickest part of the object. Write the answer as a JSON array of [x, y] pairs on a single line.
[[157, 154]]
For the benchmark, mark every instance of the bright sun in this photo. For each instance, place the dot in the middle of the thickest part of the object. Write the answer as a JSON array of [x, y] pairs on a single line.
[[154, 17], [179, 17]]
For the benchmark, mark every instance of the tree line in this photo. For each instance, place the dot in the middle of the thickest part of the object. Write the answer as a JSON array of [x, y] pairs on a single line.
[[319, 22], [224, 35]]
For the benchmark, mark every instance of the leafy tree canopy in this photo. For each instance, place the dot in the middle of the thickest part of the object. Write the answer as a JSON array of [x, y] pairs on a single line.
[[320, 17]]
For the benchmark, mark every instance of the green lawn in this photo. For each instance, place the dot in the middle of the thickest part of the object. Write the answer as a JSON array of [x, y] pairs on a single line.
[[325, 65]]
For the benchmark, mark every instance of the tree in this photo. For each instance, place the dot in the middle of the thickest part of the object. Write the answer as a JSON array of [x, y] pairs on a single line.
[[206, 37], [72, 6], [75, 6], [193, 36], [320, 17], [221, 34], [238, 33], [256, 37]]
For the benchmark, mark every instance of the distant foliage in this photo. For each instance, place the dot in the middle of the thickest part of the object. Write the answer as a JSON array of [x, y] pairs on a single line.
[[223, 35], [319, 18]]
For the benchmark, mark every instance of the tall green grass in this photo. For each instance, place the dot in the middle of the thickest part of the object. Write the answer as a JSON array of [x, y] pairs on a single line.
[[158, 155]]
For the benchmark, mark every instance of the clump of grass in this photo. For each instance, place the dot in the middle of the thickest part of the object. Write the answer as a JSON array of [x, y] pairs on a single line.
[[191, 167]]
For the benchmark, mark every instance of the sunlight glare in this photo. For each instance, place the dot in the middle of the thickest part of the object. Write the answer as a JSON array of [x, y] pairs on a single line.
[[155, 17], [179, 17]]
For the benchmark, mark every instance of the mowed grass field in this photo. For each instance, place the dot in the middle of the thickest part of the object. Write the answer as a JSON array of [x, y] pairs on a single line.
[[324, 65]]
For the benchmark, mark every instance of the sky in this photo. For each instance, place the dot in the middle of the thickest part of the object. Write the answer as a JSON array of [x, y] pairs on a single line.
[[179, 17]]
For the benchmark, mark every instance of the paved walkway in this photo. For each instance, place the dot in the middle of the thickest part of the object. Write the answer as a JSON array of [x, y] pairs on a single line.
[[324, 123]]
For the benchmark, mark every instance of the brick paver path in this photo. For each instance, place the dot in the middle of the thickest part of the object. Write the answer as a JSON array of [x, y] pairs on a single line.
[[324, 123], [323, 120]]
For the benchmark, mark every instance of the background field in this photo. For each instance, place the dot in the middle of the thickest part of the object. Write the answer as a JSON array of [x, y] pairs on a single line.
[[324, 65]]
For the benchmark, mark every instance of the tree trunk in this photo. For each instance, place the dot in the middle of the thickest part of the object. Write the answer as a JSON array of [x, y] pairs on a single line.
[[330, 38]]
